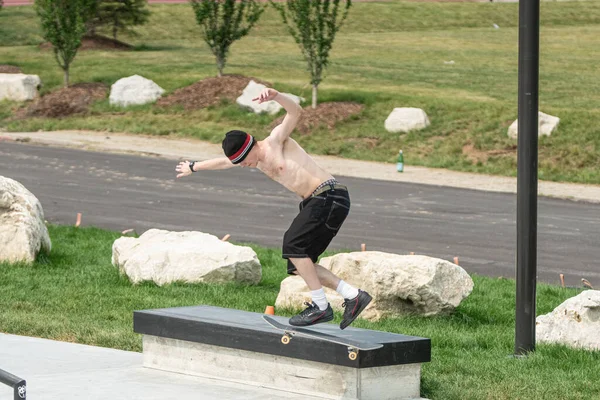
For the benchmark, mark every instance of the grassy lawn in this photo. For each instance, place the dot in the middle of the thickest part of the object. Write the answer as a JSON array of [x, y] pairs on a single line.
[[389, 54], [76, 295]]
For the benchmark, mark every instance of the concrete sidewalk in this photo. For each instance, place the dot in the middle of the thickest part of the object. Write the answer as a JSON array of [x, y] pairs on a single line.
[[177, 149], [63, 371]]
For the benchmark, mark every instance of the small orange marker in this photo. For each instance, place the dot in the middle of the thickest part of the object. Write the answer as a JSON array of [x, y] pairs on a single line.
[[412, 253], [270, 310], [562, 280], [456, 260], [363, 247], [78, 220], [226, 237]]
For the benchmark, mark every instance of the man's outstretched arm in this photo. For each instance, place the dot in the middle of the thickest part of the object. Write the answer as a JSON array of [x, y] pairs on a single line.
[[281, 132], [216, 163]]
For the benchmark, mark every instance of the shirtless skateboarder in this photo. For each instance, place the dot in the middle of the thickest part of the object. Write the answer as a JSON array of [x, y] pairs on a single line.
[[324, 207]]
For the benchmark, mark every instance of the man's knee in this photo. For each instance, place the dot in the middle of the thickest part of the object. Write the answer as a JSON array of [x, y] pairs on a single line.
[[291, 266]]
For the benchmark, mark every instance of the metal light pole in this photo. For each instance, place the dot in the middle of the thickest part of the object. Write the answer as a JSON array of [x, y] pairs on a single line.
[[527, 184]]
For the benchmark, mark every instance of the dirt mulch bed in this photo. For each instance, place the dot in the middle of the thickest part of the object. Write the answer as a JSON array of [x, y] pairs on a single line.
[[481, 156], [326, 114], [66, 101], [209, 92], [96, 43], [9, 69]]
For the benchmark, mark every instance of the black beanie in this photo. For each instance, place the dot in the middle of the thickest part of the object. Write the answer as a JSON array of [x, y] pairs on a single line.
[[237, 145]]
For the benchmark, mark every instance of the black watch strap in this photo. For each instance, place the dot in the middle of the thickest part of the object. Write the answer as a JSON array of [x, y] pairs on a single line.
[[192, 165]]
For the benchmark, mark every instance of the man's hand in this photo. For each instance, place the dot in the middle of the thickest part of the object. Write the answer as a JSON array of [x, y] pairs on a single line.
[[183, 168], [267, 94]]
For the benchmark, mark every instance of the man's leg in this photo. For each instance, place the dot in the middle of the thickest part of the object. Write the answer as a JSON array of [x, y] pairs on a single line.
[[306, 269], [320, 310], [355, 300], [326, 277]]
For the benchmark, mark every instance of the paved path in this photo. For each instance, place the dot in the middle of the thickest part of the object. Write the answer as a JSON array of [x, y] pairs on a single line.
[[66, 371]]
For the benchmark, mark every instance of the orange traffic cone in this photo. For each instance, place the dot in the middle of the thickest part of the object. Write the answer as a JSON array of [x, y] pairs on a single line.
[[270, 310]]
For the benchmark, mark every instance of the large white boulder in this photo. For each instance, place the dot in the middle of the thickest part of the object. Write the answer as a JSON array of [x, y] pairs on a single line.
[[164, 257], [134, 90], [19, 87], [575, 323], [253, 90], [23, 232], [399, 284], [406, 119], [547, 125]]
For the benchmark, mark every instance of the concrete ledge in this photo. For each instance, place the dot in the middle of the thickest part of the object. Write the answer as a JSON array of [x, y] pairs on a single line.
[[283, 373], [244, 330], [239, 346]]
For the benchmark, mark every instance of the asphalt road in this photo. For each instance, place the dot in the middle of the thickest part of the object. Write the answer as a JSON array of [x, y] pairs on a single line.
[[121, 192]]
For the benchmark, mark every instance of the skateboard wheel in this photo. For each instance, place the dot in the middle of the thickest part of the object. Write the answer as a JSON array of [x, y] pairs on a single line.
[[352, 355], [285, 339]]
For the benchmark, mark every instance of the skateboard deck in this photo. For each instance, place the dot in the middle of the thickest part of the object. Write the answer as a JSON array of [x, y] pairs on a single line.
[[354, 346]]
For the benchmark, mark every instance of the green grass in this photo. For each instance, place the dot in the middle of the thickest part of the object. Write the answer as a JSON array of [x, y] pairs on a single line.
[[76, 295], [389, 54]]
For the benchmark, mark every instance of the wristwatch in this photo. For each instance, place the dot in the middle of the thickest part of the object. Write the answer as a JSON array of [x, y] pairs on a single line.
[[191, 164]]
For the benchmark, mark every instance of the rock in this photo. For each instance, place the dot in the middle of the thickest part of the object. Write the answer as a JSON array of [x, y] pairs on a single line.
[[23, 233], [253, 90], [19, 87], [399, 284], [547, 125], [164, 257], [134, 90], [406, 119], [575, 323]]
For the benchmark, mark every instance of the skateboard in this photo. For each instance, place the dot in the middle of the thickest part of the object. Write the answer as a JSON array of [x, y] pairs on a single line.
[[354, 346]]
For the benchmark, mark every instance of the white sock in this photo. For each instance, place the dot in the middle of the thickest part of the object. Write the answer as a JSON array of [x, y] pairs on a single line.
[[346, 291], [319, 298]]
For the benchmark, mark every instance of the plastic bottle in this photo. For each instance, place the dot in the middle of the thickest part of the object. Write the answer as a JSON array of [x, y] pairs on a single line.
[[400, 163]]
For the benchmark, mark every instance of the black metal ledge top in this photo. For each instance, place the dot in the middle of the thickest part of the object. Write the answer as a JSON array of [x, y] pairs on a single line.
[[248, 331]]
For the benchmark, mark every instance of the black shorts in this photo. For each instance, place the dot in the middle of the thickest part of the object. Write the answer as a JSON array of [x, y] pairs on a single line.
[[316, 225]]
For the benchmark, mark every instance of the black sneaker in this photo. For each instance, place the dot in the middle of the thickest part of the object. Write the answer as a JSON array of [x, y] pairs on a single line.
[[312, 315], [354, 307]]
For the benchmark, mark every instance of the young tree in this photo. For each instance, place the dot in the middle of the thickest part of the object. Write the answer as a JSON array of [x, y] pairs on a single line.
[[313, 24], [63, 25], [222, 23], [119, 15]]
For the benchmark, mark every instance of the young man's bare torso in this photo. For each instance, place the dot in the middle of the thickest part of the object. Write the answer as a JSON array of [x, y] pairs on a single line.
[[288, 164]]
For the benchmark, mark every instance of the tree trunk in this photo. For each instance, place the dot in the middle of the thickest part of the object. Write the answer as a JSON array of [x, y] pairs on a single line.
[[66, 78], [314, 96], [220, 66]]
